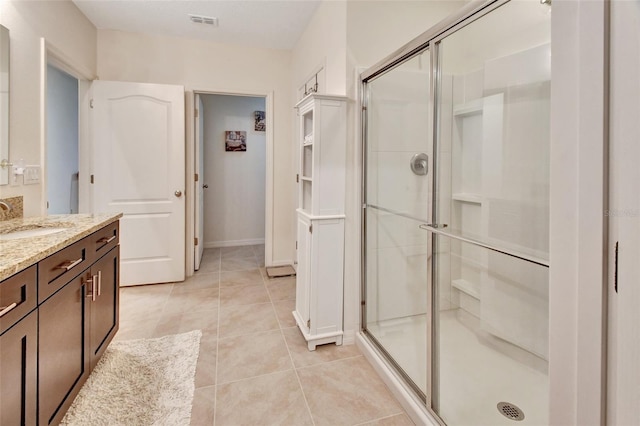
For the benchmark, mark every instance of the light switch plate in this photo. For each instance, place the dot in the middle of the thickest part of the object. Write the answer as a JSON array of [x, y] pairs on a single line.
[[31, 174]]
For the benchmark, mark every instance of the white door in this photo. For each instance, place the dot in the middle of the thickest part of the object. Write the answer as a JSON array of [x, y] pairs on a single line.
[[138, 164], [200, 182], [623, 355]]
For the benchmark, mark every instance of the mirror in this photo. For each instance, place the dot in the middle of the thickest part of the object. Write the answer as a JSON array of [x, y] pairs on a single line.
[[4, 106]]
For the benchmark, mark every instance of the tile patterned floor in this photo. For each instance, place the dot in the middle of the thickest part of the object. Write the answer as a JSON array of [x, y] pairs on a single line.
[[254, 367]]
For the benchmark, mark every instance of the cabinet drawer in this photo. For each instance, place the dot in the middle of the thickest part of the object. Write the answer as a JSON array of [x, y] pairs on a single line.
[[61, 267], [17, 297], [104, 240]]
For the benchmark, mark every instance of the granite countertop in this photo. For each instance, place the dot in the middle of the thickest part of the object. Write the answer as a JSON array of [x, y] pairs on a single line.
[[19, 254]]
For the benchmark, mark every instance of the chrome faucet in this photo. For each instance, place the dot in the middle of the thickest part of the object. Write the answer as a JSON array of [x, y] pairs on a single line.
[[5, 206]]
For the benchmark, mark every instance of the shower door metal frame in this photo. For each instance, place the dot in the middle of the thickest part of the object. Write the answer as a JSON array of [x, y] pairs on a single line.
[[364, 101], [429, 40]]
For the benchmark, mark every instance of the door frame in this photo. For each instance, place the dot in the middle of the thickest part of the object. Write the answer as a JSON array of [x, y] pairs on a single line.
[[49, 54], [198, 185], [191, 170]]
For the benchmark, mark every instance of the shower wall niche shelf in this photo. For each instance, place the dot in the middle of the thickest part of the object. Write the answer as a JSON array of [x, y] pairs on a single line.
[[320, 240], [467, 197], [468, 108]]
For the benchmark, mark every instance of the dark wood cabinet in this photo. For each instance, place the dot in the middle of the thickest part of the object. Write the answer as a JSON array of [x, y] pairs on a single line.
[[105, 305], [76, 325], [64, 359], [18, 367]]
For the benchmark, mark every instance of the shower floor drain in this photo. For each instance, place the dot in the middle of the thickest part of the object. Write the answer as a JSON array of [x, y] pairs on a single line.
[[510, 411]]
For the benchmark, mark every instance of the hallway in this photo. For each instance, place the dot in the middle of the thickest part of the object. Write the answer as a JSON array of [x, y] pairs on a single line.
[[254, 367]]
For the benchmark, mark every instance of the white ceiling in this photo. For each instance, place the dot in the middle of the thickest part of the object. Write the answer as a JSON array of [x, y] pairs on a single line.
[[261, 23]]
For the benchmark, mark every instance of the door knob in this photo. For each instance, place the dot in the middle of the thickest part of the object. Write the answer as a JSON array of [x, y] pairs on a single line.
[[178, 193], [205, 186]]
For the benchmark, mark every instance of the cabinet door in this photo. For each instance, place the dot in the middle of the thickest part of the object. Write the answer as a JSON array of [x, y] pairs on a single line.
[[63, 349], [303, 272], [18, 366], [104, 309]]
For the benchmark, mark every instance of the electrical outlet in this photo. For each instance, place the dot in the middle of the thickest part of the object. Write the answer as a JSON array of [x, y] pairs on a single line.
[[15, 175]]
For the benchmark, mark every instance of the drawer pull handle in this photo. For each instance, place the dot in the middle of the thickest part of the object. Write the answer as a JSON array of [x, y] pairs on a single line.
[[6, 309], [69, 264], [105, 240], [99, 283]]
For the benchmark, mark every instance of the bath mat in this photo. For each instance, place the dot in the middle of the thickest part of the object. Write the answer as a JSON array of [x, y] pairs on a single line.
[[140, 382], [280, 271]]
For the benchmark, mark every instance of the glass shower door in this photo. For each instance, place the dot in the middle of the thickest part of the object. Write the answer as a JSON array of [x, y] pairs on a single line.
[[397, 201], [490, 309]]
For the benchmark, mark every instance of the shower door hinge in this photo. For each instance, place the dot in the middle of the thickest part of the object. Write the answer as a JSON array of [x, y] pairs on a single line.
[[196, 177], [615, 270], [296, 245], [308, 323], [91, 179], [297, 178], [364, 108], [362, 303], [311, 229], [91, 103], [195, 241]]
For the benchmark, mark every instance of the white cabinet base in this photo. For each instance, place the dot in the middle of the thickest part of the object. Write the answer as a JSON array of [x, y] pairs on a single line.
[[317, 339]]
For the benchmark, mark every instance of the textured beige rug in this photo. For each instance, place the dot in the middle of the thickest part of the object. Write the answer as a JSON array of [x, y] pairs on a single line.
[[140, 382]]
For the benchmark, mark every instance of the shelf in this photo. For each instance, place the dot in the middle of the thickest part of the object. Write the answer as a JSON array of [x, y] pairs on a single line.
[[467, 287], [307, 139], [468, 108], [466, 197]]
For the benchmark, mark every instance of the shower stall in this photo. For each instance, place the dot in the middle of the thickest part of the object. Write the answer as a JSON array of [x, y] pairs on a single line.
[[456, 214]]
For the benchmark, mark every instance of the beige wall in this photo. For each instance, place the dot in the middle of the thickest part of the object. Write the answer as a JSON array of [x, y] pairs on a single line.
[[73, 39], [207, 66], [323, 43]]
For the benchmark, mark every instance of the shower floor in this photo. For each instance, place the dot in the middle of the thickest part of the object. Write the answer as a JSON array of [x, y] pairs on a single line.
[[477, 370]]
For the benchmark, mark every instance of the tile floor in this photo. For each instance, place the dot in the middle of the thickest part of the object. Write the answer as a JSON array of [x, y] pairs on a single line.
[[254, 367]]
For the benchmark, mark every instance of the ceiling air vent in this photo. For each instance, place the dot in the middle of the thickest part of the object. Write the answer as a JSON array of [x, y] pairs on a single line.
[[199, 19]]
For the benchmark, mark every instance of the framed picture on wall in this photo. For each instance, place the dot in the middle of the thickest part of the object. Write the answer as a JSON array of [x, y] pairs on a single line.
[[260, 125], [235, 140]]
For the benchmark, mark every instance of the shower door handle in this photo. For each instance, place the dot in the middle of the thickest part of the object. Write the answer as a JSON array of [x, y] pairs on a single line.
[[438, 230], [420, 164]]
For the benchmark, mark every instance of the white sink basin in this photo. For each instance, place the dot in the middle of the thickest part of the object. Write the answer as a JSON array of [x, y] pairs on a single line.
[[26, 233]]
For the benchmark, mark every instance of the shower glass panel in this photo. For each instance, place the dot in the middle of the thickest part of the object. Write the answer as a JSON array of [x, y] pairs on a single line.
[[397, 201], [490, 304]]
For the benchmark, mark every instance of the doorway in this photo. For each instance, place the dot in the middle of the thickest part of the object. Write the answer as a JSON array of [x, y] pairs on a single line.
[[62, 142], [231, 170]]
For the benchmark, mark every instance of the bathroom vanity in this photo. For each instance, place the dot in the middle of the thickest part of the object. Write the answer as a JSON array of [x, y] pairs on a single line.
[[59, 297]]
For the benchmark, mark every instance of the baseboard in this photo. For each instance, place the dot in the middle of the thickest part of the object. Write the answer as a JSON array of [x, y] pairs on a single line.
[[234, 243], [349, 337], [414, 407]]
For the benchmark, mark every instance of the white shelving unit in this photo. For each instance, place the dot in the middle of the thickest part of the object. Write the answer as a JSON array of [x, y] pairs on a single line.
[[322, 140]]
